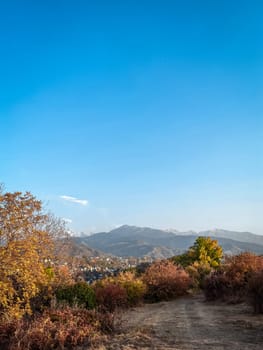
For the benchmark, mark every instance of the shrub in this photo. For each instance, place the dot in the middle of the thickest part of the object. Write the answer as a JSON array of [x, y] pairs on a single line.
[[230, 283], [106, 321], [110, 296], [255, 291], [42, 300], [165, 281], [55, 329], [142, 267], [241, 266], [129, 289], [198, 273], [7, 330], [216, 286], [134, 287], [80, 294], [135, 292]]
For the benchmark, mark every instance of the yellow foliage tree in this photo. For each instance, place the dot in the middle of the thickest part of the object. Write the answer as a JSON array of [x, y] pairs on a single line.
[[27, 249]]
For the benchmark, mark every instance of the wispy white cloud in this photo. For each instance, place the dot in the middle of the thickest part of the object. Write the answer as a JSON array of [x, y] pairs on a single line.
[[68, 221], [75, 200]]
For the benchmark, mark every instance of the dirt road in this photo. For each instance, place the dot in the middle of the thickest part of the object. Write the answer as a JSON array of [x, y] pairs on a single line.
[[189, 323]]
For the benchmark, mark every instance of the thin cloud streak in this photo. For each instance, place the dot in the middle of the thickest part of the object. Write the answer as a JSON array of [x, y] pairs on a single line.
[[68, 221], [75, 200]]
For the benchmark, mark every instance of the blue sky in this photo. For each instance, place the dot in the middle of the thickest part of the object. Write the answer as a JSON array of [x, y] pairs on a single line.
[[146, 112]]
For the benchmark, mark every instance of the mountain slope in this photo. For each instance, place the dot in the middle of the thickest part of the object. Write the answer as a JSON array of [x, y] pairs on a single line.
[[79, 249], [238, 236], [140, 241]]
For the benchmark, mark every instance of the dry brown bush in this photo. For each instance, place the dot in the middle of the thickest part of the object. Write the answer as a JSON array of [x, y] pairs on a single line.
[[165, 281], [255, 291], [64, 328], [230, 283], [110, 296]]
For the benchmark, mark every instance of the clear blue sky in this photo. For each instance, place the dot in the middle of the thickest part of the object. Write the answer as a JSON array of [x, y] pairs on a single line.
[[149, 110]]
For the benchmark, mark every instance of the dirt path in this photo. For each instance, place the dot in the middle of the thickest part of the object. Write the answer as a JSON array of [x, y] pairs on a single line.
[[189, 324]]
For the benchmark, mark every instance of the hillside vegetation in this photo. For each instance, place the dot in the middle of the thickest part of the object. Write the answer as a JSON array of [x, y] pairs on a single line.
[[45, 305]]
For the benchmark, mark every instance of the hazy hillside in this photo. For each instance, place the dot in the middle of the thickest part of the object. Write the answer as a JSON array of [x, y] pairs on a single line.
[[80, 249], [238, 236], [139, 241]]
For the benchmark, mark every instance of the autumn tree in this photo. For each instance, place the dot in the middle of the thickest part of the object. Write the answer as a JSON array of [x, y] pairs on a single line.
[[28, 247], [204, 256], [204, 251]]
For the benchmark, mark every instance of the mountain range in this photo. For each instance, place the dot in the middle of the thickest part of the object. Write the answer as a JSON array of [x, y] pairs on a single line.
[[136, 241]]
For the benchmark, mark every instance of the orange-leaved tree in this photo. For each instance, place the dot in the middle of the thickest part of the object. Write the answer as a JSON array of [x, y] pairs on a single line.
[[165, 281], [27, 250]]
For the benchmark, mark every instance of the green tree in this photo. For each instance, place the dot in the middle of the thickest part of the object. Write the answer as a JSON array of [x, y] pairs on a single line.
[[205, 251], [200, 259]]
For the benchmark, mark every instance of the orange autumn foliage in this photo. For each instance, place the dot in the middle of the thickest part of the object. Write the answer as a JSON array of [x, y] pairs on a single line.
[[165, 281], [27, 248]]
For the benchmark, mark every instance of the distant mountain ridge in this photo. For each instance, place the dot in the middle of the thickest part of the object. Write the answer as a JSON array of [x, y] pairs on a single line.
[[144, 241], [239, 236]]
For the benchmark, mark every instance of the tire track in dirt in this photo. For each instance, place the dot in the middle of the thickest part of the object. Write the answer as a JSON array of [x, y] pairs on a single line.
[[190, 323]]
